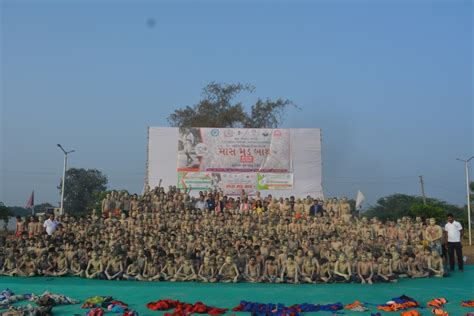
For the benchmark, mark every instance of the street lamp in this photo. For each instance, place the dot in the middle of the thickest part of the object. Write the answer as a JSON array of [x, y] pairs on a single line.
[[466, 162], [61, 211]]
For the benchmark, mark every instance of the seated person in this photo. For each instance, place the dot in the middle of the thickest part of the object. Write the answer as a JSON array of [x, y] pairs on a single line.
[[42, 263], [270, 271], [186, 271], [76, 266], [207, 271], [290, 272], [415, 268], [365, 270], [62, 267], [168, 273], [385, 273], [133, 272], [252, 271], [343, 270], [50, 265], [310, 268], [114, 269], [435, 265], [26, 266], [94, 269], [325, 272], [229, 271], [152, 269]]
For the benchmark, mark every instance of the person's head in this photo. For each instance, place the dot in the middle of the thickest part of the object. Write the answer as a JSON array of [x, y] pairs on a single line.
[[432, 221], [228, 259], [450, 217], [434, 253]]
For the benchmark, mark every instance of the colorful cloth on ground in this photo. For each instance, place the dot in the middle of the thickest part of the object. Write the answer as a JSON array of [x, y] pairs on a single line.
[[439, 312], [437, 302], [29, 310], [467, 303], [98, 299], [98, 303], [411, 313], [398, 303], [183, 308], [48, 298], [7, 298], [356, 307], [280, 309]]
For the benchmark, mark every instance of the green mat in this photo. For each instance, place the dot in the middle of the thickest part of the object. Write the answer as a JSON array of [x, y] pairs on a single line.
[[457, 287]]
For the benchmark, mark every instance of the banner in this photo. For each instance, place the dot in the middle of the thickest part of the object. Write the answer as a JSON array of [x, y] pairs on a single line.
[[281, 162], [234, 150], [231, 183], [274, 181]]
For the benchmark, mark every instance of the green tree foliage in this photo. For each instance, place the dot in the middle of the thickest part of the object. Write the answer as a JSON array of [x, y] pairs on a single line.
[[5, 214], [396, 206], [428, 211], [217, 108], [81, 189]]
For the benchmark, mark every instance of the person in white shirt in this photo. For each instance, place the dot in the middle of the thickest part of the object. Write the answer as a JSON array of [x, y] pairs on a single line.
[[50, 225], [453, 233]]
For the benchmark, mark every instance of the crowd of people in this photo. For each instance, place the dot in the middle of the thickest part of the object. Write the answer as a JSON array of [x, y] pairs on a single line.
[[167, 235]]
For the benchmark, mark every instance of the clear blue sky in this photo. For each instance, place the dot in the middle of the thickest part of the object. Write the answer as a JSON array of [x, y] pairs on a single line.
[[389, 83]]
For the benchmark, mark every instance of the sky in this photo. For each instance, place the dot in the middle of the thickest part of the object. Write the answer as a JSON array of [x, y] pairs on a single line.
[[388, 82]]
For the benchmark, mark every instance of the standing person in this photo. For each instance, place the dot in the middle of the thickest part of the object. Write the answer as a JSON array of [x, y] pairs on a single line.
[[50, 224], [20, 226], [211, 203], [453, 233]]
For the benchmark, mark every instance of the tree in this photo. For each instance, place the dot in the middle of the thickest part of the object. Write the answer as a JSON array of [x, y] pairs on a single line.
[[428, 211], [396, 206], [5, 214], [81, 187], [218, 109]]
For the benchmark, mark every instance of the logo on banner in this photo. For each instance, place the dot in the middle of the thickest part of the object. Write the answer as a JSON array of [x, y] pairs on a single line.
[[277, 133], [215, 132], [246, 159], [228, 133]]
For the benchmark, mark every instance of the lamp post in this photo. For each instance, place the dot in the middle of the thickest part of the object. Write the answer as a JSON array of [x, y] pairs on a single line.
[[61, 211], [466, 164]]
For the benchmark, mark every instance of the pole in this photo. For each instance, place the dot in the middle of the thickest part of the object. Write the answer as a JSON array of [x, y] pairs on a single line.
[[468, 201], [423, 190], [62, 188]]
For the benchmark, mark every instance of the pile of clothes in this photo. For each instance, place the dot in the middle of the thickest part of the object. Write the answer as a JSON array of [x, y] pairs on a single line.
[[45, 303], [183, 308], [398, 303], [438, 304], [7, 298], [260, 309], [99, 304], [356, 307]]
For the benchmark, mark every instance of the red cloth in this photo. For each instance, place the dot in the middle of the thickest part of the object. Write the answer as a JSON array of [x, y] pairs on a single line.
[[183, 309]]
